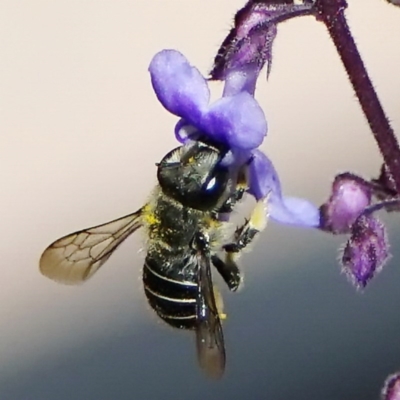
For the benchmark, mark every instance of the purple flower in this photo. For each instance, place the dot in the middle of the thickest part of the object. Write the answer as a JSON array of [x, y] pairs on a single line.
[[236, 121]]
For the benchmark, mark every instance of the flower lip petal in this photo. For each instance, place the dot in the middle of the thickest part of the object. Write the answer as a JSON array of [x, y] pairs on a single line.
[[262, 176], [294, 211], [237, 121], [264, 182], [180, 88]]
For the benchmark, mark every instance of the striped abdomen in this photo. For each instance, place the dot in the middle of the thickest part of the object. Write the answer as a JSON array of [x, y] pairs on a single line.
[[170, 292]]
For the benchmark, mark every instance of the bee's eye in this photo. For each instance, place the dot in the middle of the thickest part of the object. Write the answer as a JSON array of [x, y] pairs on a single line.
[[206, 196], [211, 184], [214, 187]]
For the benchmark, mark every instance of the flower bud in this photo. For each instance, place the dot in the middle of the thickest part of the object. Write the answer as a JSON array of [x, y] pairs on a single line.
[[350, 196], [249, 43], [366, 251]]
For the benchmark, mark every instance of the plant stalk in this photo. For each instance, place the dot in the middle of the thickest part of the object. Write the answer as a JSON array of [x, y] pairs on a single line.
[[331, 13]]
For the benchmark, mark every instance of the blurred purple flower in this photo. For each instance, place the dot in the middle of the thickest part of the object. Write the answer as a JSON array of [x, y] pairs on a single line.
[[391, 389], [236, 121]]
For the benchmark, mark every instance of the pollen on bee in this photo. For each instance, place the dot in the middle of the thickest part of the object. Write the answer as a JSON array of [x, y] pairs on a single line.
[[259, 216], [213, 223], [149, 217], [242, 186]]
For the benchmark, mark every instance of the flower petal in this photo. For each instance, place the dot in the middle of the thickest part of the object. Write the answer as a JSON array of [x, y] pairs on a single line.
[[242, 80], [180, 88], [237, 121], [264, 182]]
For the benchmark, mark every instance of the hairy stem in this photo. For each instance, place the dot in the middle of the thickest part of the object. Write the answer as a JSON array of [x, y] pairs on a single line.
[[331, 13]]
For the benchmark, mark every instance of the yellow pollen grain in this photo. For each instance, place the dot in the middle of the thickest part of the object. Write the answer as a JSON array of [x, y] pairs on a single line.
[[149, 216]]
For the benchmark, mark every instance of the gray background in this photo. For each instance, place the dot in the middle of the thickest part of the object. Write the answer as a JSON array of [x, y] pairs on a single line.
[[81, 130]]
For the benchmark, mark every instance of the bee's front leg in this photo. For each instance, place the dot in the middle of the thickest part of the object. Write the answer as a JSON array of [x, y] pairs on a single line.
[[246, 233], [243, 236]]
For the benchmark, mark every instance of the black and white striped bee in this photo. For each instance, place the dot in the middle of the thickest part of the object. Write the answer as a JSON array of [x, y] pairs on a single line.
[[185, 235]]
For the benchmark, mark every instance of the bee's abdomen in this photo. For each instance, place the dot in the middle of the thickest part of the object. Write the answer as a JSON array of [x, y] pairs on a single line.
[[172, 299]]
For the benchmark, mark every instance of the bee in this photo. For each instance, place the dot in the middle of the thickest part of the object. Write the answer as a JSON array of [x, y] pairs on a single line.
[[186, 236]]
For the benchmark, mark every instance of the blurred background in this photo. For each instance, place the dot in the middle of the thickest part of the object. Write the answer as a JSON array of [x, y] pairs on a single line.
[[81, 131]]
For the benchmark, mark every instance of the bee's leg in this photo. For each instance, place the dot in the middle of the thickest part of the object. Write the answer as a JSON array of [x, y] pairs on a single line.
[[246, 233], [229, 270], [219, 302]]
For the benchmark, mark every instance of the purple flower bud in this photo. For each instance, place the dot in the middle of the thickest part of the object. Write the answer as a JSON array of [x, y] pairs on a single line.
[[391, 388], [248, 45], [366, 251], [350, 196]]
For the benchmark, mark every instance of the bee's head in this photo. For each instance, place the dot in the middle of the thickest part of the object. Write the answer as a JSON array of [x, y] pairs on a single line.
[[193, 175]]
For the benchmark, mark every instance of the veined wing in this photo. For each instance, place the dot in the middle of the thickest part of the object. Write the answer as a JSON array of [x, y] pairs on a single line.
[[209, 334], [76, 257]]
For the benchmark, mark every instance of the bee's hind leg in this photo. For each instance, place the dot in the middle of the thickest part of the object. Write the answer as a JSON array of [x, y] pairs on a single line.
[[229, 270]]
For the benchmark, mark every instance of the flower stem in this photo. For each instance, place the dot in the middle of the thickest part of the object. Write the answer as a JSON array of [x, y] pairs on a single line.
[[331, 13]]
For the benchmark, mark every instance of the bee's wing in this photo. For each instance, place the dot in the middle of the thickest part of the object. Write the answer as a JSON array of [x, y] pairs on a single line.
[[209, 334], [76, 257]]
